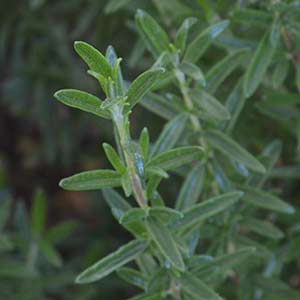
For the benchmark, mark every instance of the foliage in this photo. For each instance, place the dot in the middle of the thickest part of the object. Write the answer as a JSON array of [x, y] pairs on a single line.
[[228, 221]]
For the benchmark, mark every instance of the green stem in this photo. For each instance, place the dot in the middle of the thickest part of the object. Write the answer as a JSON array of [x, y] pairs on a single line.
[[120, 122]]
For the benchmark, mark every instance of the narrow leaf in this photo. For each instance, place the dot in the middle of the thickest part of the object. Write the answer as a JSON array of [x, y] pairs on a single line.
[[170, 135], [193, 71], [207, 209], [191, 188], [207, 104], [182, 33], [196, 288], [229, 147], [114, 5], [112, 262], [263, 228], [142, 85], [133, 277], [198, 46], [93, 58], [114, 158], [91, 180], [165, 242], [165, 214], [153, 35], [266, 200], [38, 212], [177, 157], [218, 73], [117, 204], [258, 65], [83, 101]]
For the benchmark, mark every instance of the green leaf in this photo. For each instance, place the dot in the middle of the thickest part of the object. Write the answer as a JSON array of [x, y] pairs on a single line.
[[191, 188], [153, 35], [133, 277], [223, 263], [112, 262], [280, 73], [144, 141], [141, 86], [157, 172], [160, 106], [165, 214], [235, 104], [218, 73], [114, 62], [258, 66], [182, 33], [192, 71], [198, 46], [114, 5], [266, 200], [38, 212], [114, 158], [83, 101], [177, 157], [93, 58], [209, 105], [91, 180], [50, 253], [253, 17], [156, 296], [262, 228], [165, 242], [5, 243], [170, 135], [60, 232], [133, 215], [298, 76], [196, 288], [206, 209], [116, 203], [229, 147]]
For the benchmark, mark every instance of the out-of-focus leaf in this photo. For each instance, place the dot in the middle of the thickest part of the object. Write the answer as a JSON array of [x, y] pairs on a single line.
[[165, 214], [198, 46], [192, 71], [206, 103], [196, 288], [218, 73], [112, 262], [91, 180], [5, 205], [38, 212], [265, 200], [142, 85], [229, 147], [61, 231], [177, 157], [114, 5], [133, 277], [191, 188], [50, 253], [165, 242], [93, 58], [156, 296], [170, 135], [83, 101], [144, 141], [262, 228], [153, 35], [206, 209], [224, 262], [182, 33], [258, 65], [117, 204], [280, 73]]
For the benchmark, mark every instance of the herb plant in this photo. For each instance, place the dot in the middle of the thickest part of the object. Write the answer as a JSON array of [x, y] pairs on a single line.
[[223, 223]]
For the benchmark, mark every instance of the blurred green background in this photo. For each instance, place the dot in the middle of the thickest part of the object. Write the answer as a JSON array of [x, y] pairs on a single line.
[[42, 141]]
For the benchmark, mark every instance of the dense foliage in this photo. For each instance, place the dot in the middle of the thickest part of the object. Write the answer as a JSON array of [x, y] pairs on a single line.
[[209, 205]]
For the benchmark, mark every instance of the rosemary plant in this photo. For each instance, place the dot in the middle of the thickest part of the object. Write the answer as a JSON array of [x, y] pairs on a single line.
[[230, 226]]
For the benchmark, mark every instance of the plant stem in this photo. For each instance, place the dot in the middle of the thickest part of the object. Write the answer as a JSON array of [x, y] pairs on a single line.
[[121, 122]]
